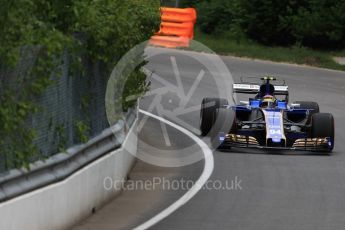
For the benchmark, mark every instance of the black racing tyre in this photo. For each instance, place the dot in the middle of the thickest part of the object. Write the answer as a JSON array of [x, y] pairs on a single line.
[[220, 102], [312, 106], [208, 112], [224, 123], [323, 126]]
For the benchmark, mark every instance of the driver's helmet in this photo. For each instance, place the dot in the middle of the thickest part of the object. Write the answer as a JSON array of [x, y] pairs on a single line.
[[268, 101]]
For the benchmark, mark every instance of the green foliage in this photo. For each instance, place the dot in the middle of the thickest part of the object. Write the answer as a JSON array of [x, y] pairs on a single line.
[[60, 137], [180, 3], [103, 29], [248, 48], [321, 23], [188, 3], [135, 87], [83, 131], [265, 20], [312, 23], [13, 131], [113, 27], [218, 16]]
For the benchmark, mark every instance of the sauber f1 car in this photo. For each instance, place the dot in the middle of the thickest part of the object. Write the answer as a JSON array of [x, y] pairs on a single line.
[[266, 122]]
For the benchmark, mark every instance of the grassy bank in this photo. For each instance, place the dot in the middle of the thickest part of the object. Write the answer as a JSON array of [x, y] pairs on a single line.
[[241, 47]]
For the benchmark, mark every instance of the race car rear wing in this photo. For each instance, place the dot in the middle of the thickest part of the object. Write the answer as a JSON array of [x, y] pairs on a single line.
[[254, 89]]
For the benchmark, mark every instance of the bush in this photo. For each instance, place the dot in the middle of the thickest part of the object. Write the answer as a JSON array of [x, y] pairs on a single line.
[[320, 24], [188, 3], [266, 21], [218, 16], [108, 28], [313, 23]]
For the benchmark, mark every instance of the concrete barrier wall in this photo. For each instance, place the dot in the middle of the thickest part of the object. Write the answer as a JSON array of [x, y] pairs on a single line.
[[63, 204]]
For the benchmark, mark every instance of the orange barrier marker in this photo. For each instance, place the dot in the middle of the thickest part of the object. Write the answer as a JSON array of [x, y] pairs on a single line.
[[178, 29], [178, 15], [169, 41]]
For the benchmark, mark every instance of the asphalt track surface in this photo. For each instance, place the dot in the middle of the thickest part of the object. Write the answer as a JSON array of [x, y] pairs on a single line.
[[278, 190]]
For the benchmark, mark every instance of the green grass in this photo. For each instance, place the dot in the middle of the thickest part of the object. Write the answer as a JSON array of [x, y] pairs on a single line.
[[227, 45]]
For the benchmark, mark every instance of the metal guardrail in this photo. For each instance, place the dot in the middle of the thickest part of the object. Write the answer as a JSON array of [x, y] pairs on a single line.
[[17, 182]]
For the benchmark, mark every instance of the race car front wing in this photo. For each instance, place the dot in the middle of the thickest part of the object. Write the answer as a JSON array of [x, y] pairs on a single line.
[[304, 144]]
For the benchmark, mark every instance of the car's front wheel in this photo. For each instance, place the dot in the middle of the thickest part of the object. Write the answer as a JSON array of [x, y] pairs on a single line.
[[224, 124], [208, 113], [322, 127]]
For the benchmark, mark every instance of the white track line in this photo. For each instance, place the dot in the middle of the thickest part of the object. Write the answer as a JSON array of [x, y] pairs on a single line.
[[208, 169]]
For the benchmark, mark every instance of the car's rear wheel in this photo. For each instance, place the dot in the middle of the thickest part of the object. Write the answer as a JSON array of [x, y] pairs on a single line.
[[223, 125], [322, 127], [208, 113]]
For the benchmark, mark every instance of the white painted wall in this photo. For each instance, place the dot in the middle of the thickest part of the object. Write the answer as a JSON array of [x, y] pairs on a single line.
[[63, 204]]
